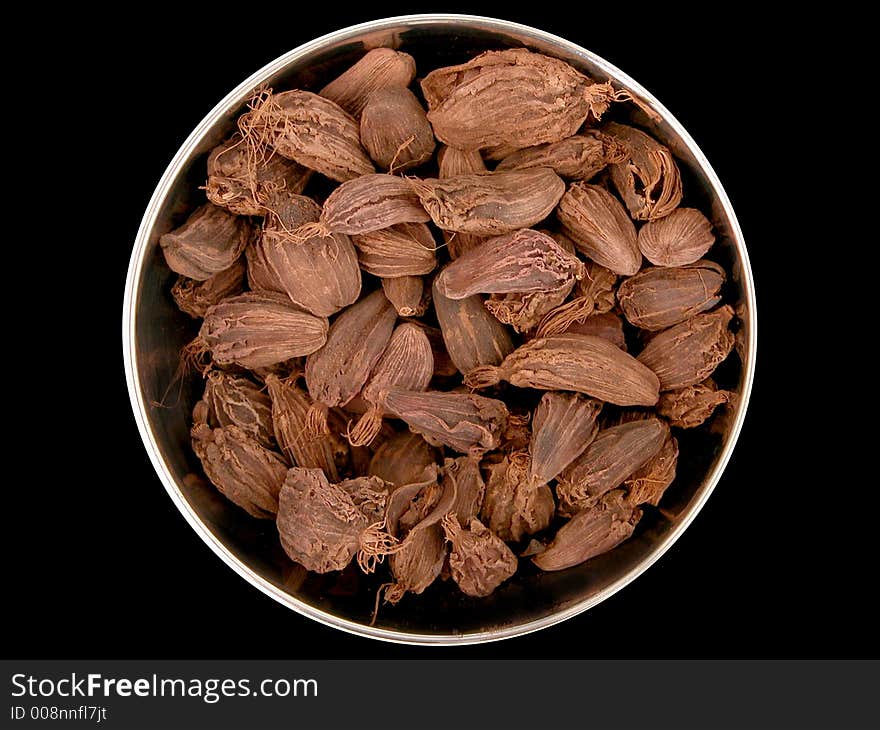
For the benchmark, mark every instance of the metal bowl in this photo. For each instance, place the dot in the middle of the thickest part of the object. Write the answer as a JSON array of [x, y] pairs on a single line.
[[154, 331]]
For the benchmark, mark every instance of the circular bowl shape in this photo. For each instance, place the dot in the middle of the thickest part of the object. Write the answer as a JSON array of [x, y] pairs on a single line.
[[154, 331]]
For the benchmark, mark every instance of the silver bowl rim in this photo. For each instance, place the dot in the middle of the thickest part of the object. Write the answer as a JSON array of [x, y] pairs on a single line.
[[139, 406]]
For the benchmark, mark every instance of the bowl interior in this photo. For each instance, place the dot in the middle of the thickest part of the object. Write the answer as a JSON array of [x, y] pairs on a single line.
[[157, 331]]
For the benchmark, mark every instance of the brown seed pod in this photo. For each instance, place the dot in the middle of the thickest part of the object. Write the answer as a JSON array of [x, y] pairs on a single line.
[[525, 261], [516, 505], [319, 274], [563, 426], [612, 456], [407, 363], [290, 407], [235, 400], [472, 336], [408, 294], [321, 524], [469, 487], [245, 185], [260, 329], [679, 239], [336, 373], [524, 312], [512, 97], [493, 204], [260, 275], [403, 459], [370, 203], [580, 363], [307, 128], [379, 68], [195, 297], [405, 249], [395, 129], [692, 405], [419, 558], [209, 242], [589, 533], [580, 157], [245, 472], [647, 485], [479, 560], [608, 326], [688, 353], [452, 163], [600, 228], [594, 294], [649, 181], [462, 421], [659, 297]]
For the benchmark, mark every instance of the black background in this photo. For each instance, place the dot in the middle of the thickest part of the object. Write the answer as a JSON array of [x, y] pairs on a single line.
[[101, 564]]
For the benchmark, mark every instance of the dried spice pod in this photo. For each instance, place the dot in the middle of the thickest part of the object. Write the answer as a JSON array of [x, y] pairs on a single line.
[[417, 563], [290, 407], [209, 242], [403, 459], [244, 184], [405, 249], [563, 426], [408, 364], [235, 400], [379, 68], [443, 365], [594, 295], [370, 203], [580, 363], [196, 297], [462, 421], [259, 329], [524, 312], [338, 371], [473, 337], [516, 505], [453, 162], [493, 204], [309, 129], [513, 97], [525, 261], [688, 353], [419, 559], [408, 294], [615, 454], [261, 276], [469, 487], [579, 157], [319, 523], [608, 326], [679, 239], [659, 297], [692, 405], [589, 533], [395, 129], [479, 560], [319, 274], [647, 485], [649, 181], [245, 472], [516, 436], [600, 227]]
